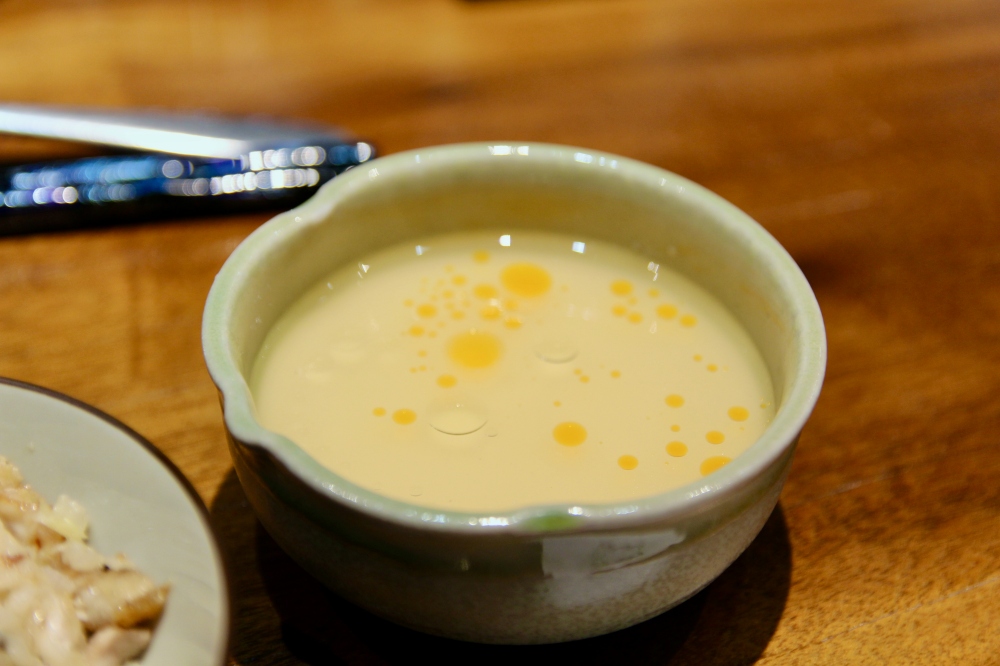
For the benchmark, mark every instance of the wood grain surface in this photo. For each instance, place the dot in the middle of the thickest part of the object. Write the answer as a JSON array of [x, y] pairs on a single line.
[[864, 134]]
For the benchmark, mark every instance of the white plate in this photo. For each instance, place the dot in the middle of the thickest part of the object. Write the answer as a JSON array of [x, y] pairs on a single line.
[[139, 504]]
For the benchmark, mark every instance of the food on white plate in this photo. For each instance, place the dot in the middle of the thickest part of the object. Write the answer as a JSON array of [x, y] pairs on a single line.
[[62, 603]]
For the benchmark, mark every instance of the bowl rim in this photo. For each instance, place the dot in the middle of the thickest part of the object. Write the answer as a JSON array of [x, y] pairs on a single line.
[[780, 435], [182, 481]]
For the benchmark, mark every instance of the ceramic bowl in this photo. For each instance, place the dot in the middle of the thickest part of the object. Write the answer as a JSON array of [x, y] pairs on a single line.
[[537, 574], [139, 504]]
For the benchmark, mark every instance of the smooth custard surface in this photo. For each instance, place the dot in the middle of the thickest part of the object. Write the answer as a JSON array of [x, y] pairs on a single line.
[[488, 372]]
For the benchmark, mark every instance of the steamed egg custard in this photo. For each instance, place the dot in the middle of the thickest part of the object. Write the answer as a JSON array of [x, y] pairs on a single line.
[[487, 372]]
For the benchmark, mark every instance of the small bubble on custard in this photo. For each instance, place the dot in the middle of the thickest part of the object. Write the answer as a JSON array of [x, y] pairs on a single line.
[[569, 433], [446, 381], [490, 312], [677, 449], [379, 411], [526, 279], [739, 413], [675, 400], [404, 416], [475, 349], [426, 310], [621, 287], [715, 437], [628, 462], [480, 256], [714, 463]]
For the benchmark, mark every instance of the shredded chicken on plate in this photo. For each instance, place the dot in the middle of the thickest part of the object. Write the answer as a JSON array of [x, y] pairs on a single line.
[[61, 602]]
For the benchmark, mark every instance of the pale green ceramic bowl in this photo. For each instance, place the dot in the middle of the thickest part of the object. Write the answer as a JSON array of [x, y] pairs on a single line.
[[541, 573]]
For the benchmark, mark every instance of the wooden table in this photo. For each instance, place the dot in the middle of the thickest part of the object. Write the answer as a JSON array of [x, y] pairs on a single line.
[[864, 134]]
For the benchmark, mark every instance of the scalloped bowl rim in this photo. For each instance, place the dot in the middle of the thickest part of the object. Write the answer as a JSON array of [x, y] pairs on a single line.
[[239, 417]]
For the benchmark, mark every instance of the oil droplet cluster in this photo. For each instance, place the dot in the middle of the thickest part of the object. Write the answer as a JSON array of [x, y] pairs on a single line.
[[497, 375]]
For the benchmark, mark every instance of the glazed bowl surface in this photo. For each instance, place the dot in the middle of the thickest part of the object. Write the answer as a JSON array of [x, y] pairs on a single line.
[[139, 504], [540, 573]]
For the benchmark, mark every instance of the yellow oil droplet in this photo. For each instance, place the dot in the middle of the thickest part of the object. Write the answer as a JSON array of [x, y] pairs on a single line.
[[653, 293], [557, 403], [459, 280], [666, 311], [698, 357], [379, 411], [674, 400], [577, 371], [426, 310], [480, 256], [408, 302], [621, 287], [422, 368], [449, 268], [422, 353], [441, 324], [526, 279], [446, 381], [569, 433], [675, 428], [634, 317], [688, 320], [490, 312], [715, 437], [416, 331], [448, 293], [510, 304], [632, 300], [484, 291], [619, 310], [404, 416], [739, 413], [764, 404], [458, 314], [616, 374], [474, 349], [512, 323], [413, 369], [628, 462], [714, 463], [677, 449], [584, 378], [432, 334], [711, 367]]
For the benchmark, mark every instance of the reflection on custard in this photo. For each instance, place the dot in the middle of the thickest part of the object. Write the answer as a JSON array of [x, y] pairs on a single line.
[[482, 374]]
